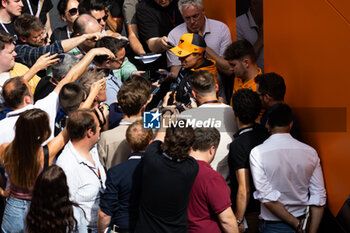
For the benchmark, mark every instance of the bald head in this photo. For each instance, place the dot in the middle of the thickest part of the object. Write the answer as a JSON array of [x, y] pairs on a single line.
[[14, 92], [85, 24]]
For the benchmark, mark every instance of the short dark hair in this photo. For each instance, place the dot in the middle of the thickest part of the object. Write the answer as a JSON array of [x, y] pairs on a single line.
[[239, 50], [133, 94], [138, 137], [5, 38], [85, 6], [279, 115], [71, 96], [14, 91], [110, 43], [25, 23], [79, 122], [62, 6], [247, 105], [206, 138], [271, 84], [178, 141], [202, 82]]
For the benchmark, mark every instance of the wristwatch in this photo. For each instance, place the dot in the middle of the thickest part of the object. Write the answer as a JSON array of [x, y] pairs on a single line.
[[239, 222]]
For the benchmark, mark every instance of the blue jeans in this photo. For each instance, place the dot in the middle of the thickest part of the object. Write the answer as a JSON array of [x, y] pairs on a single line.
[[266, 227], [14, 215]]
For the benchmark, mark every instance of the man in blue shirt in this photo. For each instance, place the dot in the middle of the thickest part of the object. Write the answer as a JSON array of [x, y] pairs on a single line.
[[120, 201]]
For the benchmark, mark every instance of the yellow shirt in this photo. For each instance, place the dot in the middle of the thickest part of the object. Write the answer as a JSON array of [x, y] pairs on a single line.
[[19, 70], [238, 84]]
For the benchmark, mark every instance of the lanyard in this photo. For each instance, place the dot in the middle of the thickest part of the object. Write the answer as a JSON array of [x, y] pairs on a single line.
[[98, 174], [68, 34], [4, 27], [211, 102], [246, 130], [31, 10]]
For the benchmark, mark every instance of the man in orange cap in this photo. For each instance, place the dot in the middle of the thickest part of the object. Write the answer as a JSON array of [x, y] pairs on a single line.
[[190, 51]]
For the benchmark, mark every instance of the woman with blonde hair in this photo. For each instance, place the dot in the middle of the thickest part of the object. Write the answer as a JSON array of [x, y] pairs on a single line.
[[24, 159]]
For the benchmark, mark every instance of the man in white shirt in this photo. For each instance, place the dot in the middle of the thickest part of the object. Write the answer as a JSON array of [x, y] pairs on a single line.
[[287, 176], [212, 110], [80, 161], [215, 33]]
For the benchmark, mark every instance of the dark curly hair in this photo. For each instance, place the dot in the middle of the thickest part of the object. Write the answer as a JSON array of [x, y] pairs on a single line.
[[50, 209], [178, 141]]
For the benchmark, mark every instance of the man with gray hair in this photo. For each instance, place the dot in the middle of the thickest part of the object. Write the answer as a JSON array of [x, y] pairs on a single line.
[[215, 33], [59, 70]]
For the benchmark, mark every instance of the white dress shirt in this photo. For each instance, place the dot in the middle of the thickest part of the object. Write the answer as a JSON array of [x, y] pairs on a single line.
[[83, 180], [49, 104], [287, 171]]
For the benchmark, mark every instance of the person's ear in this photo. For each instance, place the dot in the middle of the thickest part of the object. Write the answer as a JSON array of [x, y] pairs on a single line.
[[212, 152], [4, 3], [194, 94], [27, 100], [63, 17], [216, 88], [245, 62], [23, 39], [89, 133]]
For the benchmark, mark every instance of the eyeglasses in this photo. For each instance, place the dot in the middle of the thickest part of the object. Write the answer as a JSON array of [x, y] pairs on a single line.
[[120, 60], [40, 34], [104, 18], [73, 11], [194, 17]]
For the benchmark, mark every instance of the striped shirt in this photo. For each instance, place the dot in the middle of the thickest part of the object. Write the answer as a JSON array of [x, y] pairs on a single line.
[[85, 181]]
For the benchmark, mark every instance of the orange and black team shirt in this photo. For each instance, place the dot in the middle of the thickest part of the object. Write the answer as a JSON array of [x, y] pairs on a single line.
[[238, 84]]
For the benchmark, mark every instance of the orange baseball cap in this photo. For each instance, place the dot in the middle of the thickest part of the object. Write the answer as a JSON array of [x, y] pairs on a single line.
[[189, 43]]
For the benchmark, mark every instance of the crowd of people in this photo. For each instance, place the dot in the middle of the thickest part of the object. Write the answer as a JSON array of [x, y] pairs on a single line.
[[77, 156]]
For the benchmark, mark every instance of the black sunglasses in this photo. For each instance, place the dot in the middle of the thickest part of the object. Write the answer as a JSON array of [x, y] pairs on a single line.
[[73, 11], [104, 18]]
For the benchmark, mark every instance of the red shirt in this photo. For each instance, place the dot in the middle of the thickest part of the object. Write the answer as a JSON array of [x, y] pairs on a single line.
[[209, 196]]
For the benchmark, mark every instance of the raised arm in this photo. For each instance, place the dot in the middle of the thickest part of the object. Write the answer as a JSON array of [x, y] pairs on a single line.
[[81, 66], [94, 90], [69, 44], [43, 62], [221, 63], [55, 145], [158, 44]]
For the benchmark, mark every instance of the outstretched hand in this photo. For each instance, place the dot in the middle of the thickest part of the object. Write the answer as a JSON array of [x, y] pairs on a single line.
[[46, 60]]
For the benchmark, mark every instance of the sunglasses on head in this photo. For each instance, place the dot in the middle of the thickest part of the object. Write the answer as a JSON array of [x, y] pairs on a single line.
[[73, 11], [104, 18]]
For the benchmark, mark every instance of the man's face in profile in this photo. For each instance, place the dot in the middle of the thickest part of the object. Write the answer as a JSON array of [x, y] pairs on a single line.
[[163, 3]]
